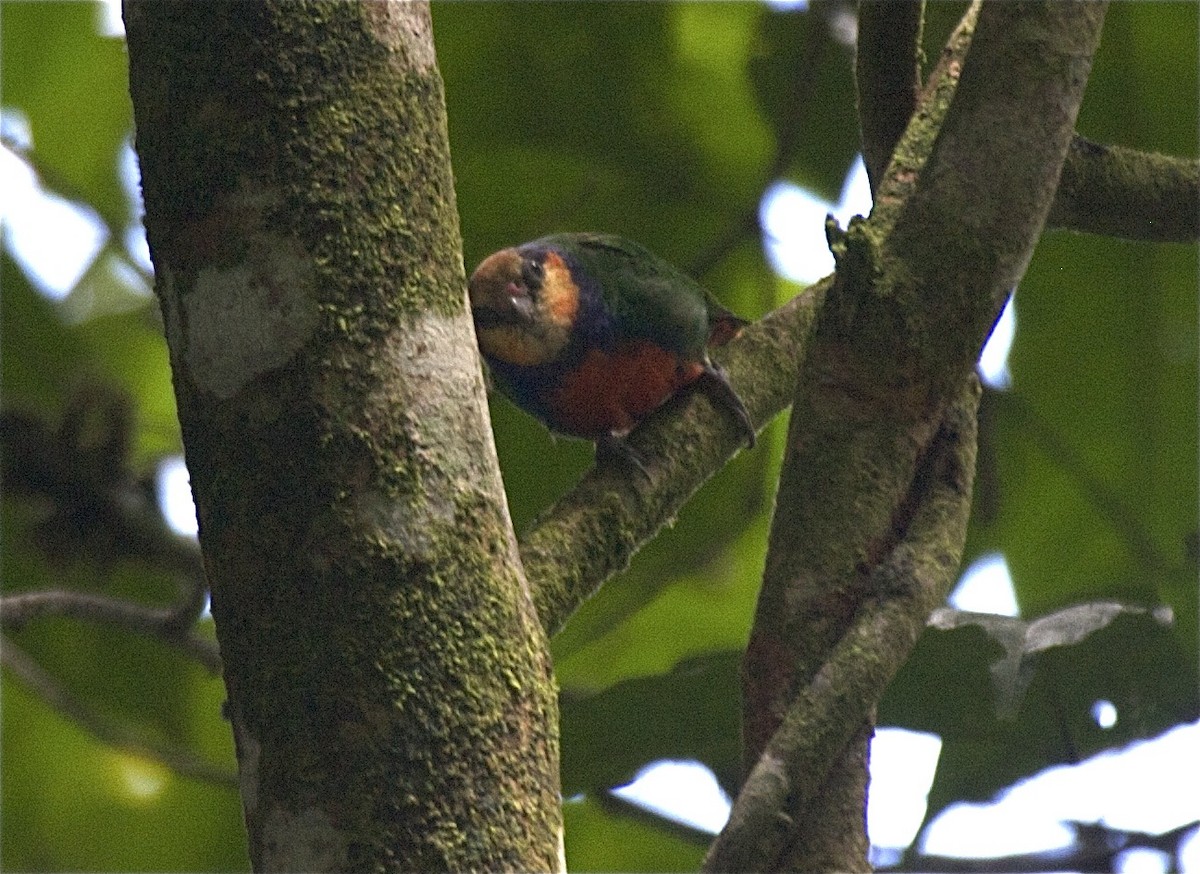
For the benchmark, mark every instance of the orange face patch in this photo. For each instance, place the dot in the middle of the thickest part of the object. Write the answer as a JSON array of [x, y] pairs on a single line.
[[612, 392], [560, 294]]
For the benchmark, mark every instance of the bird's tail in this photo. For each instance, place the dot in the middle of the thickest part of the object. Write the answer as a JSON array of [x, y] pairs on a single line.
[[723, 325]]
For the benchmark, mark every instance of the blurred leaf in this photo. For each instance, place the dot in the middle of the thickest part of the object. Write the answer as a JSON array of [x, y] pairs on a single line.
[[948, 688], [40, 353], [1088, 468], [1022, 641], [1147, 51], [129, 349], [711, 91], [110, 285], [621, 121], [691, 712], [600, 841], [71, 804], [568, 149], [1096, 471], [54, 66], [45, 359], [795, 52]]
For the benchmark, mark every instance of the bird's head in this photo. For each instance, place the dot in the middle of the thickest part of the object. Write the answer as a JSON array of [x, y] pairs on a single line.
[[525, 303]]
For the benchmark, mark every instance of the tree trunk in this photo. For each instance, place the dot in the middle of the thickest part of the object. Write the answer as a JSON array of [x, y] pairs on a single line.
[[875, 488], [388, 681]]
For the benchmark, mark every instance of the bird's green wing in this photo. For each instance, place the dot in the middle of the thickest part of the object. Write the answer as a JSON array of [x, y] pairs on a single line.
[[649, 298]]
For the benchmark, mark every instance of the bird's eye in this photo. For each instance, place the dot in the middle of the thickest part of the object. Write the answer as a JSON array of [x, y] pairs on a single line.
[[532, 272]]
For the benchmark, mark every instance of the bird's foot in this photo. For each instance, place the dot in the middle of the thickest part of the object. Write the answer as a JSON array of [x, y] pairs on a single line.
[[612, 447]]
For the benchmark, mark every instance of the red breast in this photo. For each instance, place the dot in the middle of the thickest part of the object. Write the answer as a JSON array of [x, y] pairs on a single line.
[[610, 392]]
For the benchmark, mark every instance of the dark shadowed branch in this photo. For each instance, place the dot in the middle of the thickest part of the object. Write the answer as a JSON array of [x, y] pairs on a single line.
[[887, 62], [825, 714], [1120, 192]]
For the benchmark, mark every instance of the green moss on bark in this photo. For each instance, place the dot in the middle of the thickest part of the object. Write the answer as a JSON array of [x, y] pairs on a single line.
[[387, 677]]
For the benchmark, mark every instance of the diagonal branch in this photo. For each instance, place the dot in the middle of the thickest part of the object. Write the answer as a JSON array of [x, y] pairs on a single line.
[[168, 625], [825, 713], [919, 286], [964, 226]]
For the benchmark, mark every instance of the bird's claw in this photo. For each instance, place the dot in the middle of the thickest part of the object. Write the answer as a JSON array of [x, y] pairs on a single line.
[[718, 379], [611, 446]]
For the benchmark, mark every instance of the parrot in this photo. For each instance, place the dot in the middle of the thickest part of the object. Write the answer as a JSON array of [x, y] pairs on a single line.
[[589, 333]]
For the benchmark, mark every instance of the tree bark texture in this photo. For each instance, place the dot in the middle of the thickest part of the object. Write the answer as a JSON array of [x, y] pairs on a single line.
[[388, 680], [919, 286]]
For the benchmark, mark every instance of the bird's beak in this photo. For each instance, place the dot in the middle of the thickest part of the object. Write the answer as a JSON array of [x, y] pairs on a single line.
[[521, 302]]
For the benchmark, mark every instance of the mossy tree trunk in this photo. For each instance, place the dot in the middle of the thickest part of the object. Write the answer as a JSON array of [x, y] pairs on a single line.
[[388, 681]]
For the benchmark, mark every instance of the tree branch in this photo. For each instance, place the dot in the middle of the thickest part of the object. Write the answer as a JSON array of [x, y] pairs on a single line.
[[114, 734], [887, 64], [965, 221], [826, 713], [169, 625], [859, 426], [593, 531], [99, 511], [919, 286], [1120, 192]]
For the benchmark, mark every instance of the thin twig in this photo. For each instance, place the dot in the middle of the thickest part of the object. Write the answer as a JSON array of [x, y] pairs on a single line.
[[166, 625], [114, 734]]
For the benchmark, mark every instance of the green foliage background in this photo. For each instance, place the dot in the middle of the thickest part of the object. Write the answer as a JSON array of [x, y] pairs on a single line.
[[659, 122]]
